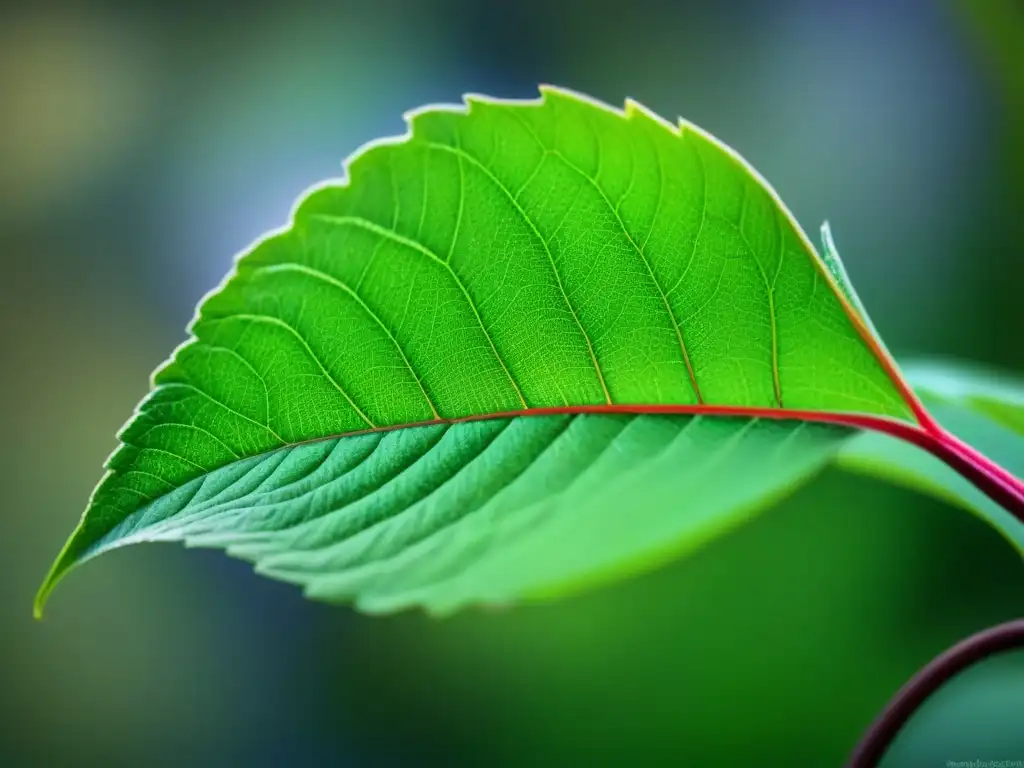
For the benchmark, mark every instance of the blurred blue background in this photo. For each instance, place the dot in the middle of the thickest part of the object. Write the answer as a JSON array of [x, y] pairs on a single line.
[[141, 147]]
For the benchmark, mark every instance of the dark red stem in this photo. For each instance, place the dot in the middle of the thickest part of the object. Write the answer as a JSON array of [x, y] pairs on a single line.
[[1007, 491], [872, 748]]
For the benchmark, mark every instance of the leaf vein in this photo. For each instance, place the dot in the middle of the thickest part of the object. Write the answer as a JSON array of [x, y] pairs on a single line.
[[530, 223], [317, 274], [261, 318], [386, 234]]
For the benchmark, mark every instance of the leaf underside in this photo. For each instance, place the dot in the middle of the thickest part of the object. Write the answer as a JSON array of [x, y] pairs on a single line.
[[486, 511], [502, 257]]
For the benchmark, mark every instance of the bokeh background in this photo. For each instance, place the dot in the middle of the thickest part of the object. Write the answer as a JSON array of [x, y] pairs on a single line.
[[141, 147]]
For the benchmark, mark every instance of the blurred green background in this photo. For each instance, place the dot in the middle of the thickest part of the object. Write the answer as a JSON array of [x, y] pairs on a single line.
[[141, 147]]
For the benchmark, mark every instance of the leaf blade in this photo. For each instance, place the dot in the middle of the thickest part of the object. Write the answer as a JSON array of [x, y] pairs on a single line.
[[570, 256]]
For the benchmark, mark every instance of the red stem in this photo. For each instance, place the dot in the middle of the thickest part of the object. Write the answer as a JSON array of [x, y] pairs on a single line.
[[996, 482]]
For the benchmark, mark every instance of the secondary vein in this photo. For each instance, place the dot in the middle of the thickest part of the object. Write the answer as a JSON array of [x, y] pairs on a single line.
[[770, 291], [257, 318], [529, 222], [640, 251], [385, 233], [317, 274]]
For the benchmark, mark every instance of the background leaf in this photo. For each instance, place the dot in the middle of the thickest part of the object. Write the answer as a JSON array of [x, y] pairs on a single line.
[[984, 409]]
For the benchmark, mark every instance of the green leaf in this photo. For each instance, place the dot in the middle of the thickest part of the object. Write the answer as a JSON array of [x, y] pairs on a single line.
[[498, 258], [982, 408]]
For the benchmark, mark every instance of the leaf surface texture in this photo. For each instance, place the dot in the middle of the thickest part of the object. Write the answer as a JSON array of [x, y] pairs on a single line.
[[502, 257]]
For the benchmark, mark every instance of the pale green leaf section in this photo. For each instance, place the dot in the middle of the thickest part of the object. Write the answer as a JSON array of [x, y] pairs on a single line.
[[984, 409], [485, 512], [498, 257]]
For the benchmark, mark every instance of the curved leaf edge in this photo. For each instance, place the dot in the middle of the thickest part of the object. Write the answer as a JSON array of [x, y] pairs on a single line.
[[66, 559]]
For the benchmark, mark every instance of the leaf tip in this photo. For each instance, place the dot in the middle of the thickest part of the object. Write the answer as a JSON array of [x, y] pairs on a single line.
[[55, 574], [64, 562], [39, 604]]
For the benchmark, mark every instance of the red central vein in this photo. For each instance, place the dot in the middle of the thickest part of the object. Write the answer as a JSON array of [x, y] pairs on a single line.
[[994, 481]]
